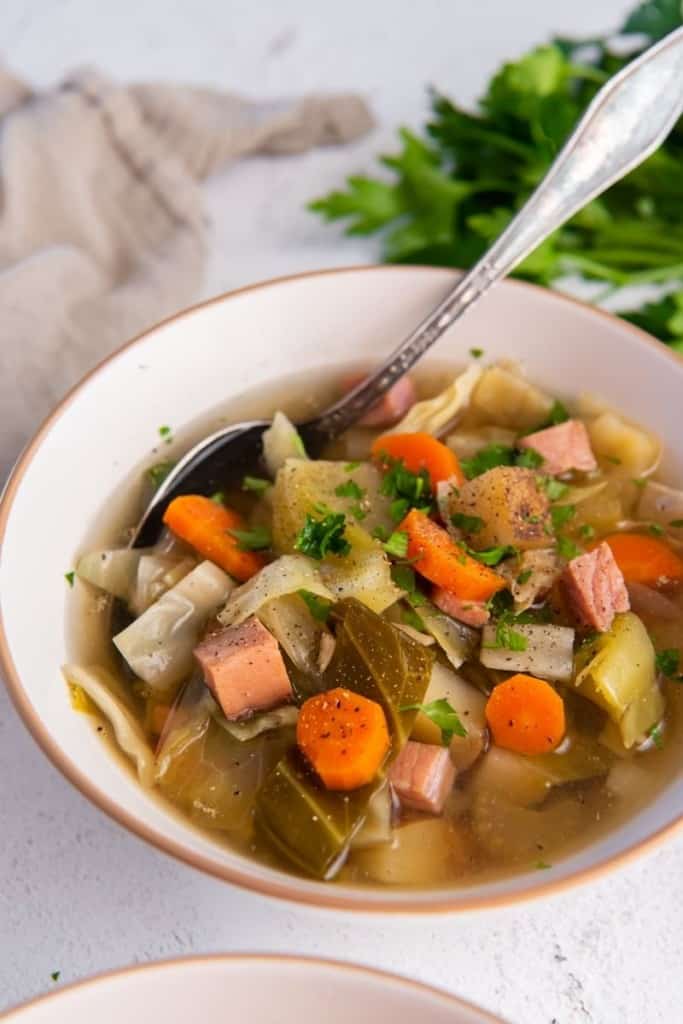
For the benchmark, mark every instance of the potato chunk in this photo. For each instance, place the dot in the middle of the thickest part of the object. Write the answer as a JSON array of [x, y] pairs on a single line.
[[512, 508]]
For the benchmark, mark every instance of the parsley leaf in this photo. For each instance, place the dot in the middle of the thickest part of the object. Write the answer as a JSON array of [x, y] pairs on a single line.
[[70, 577], [567, 548], [218, 497], [587, 531], [656, 530], [257, 484], [676, 523], [541, 865], [256, 539], [561, 514], [404, 578], [381, 533], [411, 618], [558, 414], [55, 975], [655, 735], [349, 489], [524, 577], [470, 524], [476, 353], [668, 661], [397, 545], [486, 458], [492, 556], [319, 607], [407, 489], [319, 537], [443, 716], [350, 466], [506, 636], [554, 489], [158, 473], [166, 433], [529, 458]]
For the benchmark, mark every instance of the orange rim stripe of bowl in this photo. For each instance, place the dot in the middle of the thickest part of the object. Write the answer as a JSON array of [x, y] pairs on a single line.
[[325, 895], [454, 1002]]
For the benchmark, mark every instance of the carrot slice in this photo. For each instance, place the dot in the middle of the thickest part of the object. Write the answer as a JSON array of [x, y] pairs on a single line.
[[344, 736], [420, 451], [438, 558], [645, 559], [204, 525], [526, 715]]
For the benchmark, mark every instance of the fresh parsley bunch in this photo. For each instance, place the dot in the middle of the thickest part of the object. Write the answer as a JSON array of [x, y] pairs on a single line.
[[452, 189]]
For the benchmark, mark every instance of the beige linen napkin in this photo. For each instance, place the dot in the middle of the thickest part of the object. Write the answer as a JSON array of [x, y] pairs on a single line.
[[102, 229]]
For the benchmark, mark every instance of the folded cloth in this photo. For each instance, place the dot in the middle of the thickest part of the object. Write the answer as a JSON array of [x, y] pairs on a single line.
[[102, 227]]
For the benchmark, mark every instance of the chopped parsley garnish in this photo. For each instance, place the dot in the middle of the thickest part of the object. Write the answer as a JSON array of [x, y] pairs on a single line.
[[257, 484], [487, 458], [524, 577], [470, 524], [553, 488], [541, 865], [640, 481], [559, 413], [676, 523], [476, 353], [404, 578], [412, 619], [358, 512], [350, 466], [506, 636], [381, 533], [668, 661], [587, 531], [405, 488], [492, 556], [397, 545], [656, 530], [218, 497], [55, 975], [561, 514], [70, 577], [350, 489], [320, 537], [500, 604], [443, 716], [166, 433], [529, 459], [613, 459], [158, 473], [567, 548], [256, 539], [655, 735], [319, 607]]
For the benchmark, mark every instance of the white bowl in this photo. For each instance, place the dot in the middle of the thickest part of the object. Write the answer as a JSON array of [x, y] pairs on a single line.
[[258, 989], [199, 359]]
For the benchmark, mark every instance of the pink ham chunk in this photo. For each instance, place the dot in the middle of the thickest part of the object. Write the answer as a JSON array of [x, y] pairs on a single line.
[[472, 613], [595, 587], [564, 447], [244, 669], [389, 409], [422, 776]]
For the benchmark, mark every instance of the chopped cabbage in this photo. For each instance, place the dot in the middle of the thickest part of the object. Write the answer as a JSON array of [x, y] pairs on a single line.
[[548, 653], [158, 646], [365, 573], [620, 676], [506, 398], [111, 570], [295, 629], [286, 575], [279, 718], [376, 829], [661, 504], [106, 693], [281, 441], [155, 576], [454, 638], [434, 415]]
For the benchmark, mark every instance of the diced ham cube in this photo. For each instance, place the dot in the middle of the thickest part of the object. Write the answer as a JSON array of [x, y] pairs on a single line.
[[244, 669], [564, 447], [422, 776], [472, 613], [389, 409], [596, 588]]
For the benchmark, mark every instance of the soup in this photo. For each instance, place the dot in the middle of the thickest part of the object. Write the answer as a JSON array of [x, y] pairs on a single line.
[[446, 651]]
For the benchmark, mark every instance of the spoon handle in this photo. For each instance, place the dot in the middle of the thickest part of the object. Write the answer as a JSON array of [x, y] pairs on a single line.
[[627, 120]]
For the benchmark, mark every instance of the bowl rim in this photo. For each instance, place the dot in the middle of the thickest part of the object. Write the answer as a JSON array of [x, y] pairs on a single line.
[[324, 896], [451, 1001]]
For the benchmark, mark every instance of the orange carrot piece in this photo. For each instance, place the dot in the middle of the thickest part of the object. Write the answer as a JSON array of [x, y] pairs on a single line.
[[645, 559], [204, 525], [526, 715], [420, 451], [438, 558], [344, 736]]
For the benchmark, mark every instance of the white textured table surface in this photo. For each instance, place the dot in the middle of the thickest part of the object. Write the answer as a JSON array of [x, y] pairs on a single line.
[[77, 893]]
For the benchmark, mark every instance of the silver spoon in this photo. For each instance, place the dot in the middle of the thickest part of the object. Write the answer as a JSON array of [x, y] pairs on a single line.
[[627, 120]]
